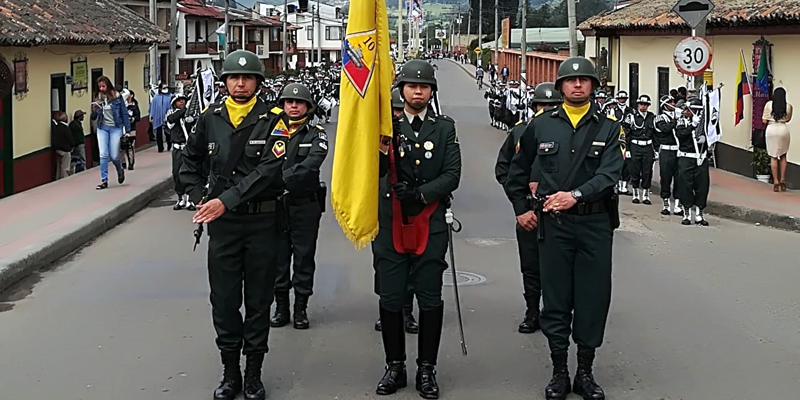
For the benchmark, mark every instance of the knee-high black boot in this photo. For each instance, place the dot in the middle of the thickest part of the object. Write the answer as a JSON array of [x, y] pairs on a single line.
[[394, 345], [430, 335]]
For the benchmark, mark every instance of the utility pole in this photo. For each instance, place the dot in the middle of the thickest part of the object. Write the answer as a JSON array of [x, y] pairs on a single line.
[[469, 23], [153, 48], [318, 33], [313, 36], [573, 29], [285, 16], [496, 31], [173, 38], [480, 33], [227, 31], [523, 45], [400, 54]]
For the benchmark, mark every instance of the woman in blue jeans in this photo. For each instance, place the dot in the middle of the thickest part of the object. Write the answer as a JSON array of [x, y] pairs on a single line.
[[112, 122]]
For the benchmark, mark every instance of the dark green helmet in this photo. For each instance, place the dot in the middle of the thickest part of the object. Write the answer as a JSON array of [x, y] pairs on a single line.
[[546, 93], [397, 100], [417, 71], [298, 91], [242, 62], [574, 67]]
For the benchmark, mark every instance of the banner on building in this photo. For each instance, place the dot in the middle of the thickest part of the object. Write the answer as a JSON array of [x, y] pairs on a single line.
[[762, 89], [506, 34]]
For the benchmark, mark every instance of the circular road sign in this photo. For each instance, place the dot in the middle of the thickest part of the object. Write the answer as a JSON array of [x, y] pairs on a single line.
[[693, 55]]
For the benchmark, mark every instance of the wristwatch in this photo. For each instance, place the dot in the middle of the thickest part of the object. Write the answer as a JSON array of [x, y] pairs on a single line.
[[577, 195]]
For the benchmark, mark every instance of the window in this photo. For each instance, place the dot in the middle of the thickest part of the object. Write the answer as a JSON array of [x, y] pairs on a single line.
[[185, 67], [119, 71], [275, 35], [663, 82], [333, 33], [604, 51], [254, 36], [310, 32], [633, 82], [198, 32]]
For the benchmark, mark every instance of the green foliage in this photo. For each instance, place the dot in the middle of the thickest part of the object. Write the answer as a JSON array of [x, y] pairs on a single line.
[[554, 15], [761, 162]]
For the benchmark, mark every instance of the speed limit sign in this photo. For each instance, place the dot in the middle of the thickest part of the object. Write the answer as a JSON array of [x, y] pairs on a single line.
[[693, 55]]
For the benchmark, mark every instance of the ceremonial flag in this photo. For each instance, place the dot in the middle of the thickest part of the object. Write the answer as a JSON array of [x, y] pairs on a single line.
[[742, 89], [762, 79], [713, 126], [364, 115]]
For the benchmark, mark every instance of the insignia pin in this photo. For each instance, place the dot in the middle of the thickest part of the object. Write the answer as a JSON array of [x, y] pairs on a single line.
[[428, 145]]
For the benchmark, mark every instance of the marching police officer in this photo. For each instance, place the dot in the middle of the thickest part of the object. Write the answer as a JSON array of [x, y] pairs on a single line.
[[238, 137], [692, 161], [302, 205], [639, 134], [620, 113], [544, 95], [424, 169], [178, 135], [410, 323], [574, 150], [667, 143], [601, 98]]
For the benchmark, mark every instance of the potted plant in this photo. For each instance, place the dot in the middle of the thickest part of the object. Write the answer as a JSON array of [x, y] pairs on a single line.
[[761, 165]]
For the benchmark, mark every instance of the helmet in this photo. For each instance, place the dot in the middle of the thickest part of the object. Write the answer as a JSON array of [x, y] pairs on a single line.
[[601, 95], [417, 71], [298, 91], [242, 62], [546, 93], [176, 98], [665, 103], [397, 100], [574, 67], [643, 99], [695, 104], [622, 94]]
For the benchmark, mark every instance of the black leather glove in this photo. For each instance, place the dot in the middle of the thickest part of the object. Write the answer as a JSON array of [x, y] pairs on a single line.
[[404, 192]]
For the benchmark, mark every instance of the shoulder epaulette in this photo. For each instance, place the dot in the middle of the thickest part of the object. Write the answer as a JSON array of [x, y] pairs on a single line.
[[518, 123], [276, 110], [538, 113], [611, 117], [204, 110], [320, 127], [446, 118]]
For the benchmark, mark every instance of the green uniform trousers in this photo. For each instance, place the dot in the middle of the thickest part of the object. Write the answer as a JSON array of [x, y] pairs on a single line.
[[575, 260], [299, 245]]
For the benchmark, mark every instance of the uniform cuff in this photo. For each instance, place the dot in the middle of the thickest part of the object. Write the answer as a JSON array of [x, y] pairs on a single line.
[[520, 207], [229, 199]]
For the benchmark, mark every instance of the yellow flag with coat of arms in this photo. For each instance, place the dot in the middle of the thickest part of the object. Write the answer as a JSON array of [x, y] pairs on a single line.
[[364, 115]]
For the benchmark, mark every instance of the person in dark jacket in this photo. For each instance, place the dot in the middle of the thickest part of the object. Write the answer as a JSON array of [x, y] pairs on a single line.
[[62, 141], [79, 139], [128, 145]]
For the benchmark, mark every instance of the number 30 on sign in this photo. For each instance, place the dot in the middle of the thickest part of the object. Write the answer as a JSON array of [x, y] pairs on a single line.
[[693, 56]]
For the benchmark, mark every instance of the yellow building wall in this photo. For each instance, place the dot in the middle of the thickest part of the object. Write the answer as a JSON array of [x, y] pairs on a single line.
[[31, 114], [651, 52]]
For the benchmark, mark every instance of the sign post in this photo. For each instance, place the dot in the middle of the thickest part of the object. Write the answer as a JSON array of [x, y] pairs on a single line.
[[695, 14]]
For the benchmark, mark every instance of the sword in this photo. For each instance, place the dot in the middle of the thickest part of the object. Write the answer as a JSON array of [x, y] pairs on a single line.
[[449, 218]]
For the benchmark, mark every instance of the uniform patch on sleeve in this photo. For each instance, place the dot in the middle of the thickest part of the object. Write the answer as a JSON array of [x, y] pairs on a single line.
[[547, 145], [323, 145], [279, 149], [323, 136]]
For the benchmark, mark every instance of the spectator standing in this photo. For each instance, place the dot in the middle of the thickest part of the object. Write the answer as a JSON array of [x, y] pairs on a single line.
[[158, 111], [62, 142], [112, 122], [79, 141], [128, 145], [777, 113]]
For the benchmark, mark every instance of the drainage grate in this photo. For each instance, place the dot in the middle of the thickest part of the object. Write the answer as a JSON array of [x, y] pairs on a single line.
[[464, 278]]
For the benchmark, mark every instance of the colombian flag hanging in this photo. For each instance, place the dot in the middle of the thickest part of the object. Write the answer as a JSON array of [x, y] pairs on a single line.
[[742, 89], [364, 115]]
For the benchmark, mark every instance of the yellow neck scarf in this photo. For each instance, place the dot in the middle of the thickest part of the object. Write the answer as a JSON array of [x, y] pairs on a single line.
[[576, 113], [295, 125], [237, 111]]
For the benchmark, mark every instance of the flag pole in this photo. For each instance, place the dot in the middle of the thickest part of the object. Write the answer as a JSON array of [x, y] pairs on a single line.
[[746, 72]]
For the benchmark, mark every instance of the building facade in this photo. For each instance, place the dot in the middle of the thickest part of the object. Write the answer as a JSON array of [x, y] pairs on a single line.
[[50, 61], [633, 49]]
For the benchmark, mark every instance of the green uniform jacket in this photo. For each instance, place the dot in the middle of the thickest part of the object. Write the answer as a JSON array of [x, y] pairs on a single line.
[[433, 165], [549, 145], [305, 153], [257, 175]]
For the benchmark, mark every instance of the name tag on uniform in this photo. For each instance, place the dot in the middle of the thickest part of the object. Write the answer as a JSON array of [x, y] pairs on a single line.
[[598, 143], [547, 145], [258, 142], [305, 144]]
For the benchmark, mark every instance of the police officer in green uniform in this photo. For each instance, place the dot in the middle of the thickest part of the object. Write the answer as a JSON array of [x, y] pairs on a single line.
[[240, 210], [424, 169], [302, 203], [575, 151], [544, 95], [410, 322]]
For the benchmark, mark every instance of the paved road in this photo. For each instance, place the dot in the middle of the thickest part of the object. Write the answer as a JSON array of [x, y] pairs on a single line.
[[697, 313]]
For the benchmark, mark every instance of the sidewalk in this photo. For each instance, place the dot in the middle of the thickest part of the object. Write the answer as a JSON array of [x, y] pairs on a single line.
[[737, 197], [43, 224]]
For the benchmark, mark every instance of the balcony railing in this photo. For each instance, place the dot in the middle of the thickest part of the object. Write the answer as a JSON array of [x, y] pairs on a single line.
[[200, 47]]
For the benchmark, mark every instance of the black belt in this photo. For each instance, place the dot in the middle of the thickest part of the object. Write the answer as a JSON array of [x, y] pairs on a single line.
[[300, 200], [597, 207], [256, 207]]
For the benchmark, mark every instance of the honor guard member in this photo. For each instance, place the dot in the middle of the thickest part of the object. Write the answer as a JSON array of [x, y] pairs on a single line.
[[303, 204], [574, 151], [424, 170], [667, 144], [545, 96], [179, 135], [693, 161], [409, 321], [245, 151], [639, 135], [601, 98], [620, 113]]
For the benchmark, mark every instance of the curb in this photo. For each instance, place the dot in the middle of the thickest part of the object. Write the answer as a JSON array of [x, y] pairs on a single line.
[[746, 214], [462, 67], [15, 268]]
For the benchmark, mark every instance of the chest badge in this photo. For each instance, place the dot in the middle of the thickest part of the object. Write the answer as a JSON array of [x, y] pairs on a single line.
[[428, 155], [428, 145], [279, 149], [547, 145], [280, 129]]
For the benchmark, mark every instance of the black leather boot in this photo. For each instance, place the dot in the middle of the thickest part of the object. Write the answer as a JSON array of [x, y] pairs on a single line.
[[430, 335], [558, 388], [281, 317], [378, 327], [253, 387], [584, 384], [394, 345], [409, 322], [300, 315], [231, 384], [531, 322]]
